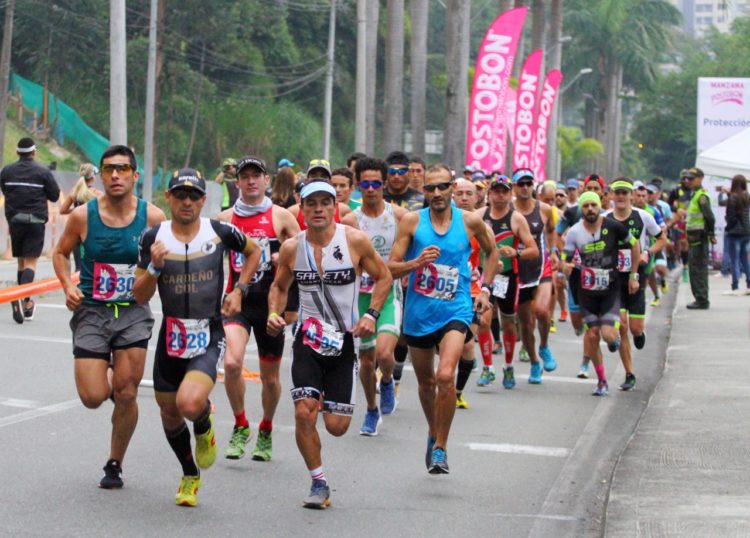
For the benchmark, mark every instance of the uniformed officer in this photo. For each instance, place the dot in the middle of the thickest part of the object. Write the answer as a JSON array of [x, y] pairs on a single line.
[[700, 231]]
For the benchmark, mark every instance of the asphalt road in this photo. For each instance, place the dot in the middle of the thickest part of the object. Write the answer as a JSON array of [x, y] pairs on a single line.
[[533, 461]]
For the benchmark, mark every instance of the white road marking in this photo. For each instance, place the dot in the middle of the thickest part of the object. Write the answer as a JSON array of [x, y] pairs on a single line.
[[550, 451], [36, 413], [534, 516], [15, 402], [560, 379]]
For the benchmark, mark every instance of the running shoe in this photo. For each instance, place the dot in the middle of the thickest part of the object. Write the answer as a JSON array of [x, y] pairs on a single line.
[[28, 310], [602, 389], [497, 348], [428, 454], [111, 478], [388, 401], [583, 371], [550, 364], [639, 341], [552, 326], [187, 493], [656, 301], [240, 437], [579, 332], [629, 383], [523, 355], [17, 311], [205, 447], [664, 287], [263, 446], [563, 316], [371, 423], [614, 346], [535, 376], [439, 463], [485, 378], [319, 497], [509, 380], [461, 402]]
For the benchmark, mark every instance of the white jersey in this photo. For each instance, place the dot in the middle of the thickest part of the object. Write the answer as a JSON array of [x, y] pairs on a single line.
[[381, 230], [334, 298]]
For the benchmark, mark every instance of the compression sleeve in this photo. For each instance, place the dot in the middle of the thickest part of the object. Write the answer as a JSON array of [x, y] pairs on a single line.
[[230, 235], [148, 237]]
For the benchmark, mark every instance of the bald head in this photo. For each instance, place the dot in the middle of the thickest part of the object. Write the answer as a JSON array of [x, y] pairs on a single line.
[[465, 194]]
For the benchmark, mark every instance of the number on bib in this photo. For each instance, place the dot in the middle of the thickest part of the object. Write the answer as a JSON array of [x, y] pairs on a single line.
[[437, 281], [113, 282], [322, 337], [366, 283], [500, 286], [594, 279], [624, 260], [187, 338]]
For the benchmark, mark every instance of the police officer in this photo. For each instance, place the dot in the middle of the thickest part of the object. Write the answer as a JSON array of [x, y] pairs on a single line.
[[700, 231]]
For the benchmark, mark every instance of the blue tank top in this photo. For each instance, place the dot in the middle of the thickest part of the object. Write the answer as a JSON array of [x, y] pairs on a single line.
[[439, 292], [109, 256]]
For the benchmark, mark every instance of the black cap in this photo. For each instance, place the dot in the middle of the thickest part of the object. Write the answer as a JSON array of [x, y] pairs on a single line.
[[187, 178], [249, 160]]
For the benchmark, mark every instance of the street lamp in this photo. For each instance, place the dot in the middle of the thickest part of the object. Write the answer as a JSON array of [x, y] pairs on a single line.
[[584, 71], [566, 87]]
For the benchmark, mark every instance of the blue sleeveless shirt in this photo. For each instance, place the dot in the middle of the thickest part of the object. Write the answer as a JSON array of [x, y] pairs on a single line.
[[109, 256], [439, 292]]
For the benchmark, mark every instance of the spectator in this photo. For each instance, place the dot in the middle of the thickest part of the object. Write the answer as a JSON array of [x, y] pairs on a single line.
[[82, 192], [737, 230], [282, 192]]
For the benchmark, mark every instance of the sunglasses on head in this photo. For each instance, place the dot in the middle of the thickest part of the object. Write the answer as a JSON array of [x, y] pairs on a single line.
[[182, 194], [319, 162], [399, 171], [444, 186], [108, 169], [364, 185]]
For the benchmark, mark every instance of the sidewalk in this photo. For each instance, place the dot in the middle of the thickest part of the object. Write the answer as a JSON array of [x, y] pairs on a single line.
[[686, 470]]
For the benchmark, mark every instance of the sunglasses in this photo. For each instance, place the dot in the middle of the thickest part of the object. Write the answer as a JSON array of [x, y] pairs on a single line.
[[444, 186], [525, 184], [182, 194], [560, 195], [398, 171], [108, 169], [364, 185]]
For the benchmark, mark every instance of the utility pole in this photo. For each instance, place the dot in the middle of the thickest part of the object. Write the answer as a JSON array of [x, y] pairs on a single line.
[[328, 105], [360, 131], [118, 93], [148, 143], [373, 16], [5, 70]]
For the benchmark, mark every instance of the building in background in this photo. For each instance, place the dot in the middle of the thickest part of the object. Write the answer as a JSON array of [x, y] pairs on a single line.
[[700, 15]]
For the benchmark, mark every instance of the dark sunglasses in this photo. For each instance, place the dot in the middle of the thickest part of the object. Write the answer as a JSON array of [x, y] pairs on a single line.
[[108, 169], [398, 171], [444, 186], [364, 185], [182, 194], [560, 195], [525, 183]]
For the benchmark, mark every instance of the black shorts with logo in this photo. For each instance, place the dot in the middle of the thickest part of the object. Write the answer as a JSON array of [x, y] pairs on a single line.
[[508, 305]]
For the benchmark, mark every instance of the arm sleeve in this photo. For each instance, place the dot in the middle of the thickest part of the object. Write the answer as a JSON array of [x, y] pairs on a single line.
[[144, 246], [230, 235]]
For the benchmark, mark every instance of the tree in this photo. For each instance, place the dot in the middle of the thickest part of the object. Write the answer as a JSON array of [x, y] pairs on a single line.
[[576, 151], [393, 127], [419, 27], [456, 91]]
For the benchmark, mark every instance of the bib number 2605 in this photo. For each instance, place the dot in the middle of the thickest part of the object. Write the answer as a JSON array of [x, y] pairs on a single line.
[[437, 281]]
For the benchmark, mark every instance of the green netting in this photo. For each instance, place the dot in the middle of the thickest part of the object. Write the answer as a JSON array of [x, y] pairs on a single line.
[[69, 125]]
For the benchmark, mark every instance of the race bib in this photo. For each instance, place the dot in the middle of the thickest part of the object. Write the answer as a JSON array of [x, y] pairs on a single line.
[[238, 259], [593, 279], [500, 286], [113, 282], [437, 281], [265, 255], [187, 338], [366, 283], [624, 260], [322, 337]]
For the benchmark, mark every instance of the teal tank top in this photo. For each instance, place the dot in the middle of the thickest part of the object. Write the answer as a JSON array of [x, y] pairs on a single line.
[[439, 292], [109, 256]]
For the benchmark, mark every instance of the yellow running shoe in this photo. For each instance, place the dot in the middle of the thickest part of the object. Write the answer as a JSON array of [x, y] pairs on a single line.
[[188, 491], [552, 326], [205, 447], [656, 301], [461, 402]]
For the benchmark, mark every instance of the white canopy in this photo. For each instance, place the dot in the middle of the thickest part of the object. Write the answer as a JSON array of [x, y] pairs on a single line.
[[728, 158]]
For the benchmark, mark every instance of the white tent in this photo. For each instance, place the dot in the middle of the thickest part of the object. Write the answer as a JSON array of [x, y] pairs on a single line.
[[728, 158]]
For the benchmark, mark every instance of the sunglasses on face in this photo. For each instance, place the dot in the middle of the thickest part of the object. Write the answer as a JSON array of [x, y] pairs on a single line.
[[364, 185], [182, 194], [398, 171], [444, 186], [560, 195], [108, 169], [525, 184]]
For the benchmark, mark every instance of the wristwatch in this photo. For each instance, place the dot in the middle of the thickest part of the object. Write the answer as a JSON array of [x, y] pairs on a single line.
[[244, 289], [634, 276], [374, 313]]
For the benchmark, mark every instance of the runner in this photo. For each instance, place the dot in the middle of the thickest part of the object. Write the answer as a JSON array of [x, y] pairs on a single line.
[[433, 247], [597, 240], [642, 227], [326, 260], [546, 194], [268, 225], [561, 283], [416, 173], [380, 222], [397, 190], [109, 329], [319, 170], [640, 201], [535, 276], [509, 228], [342, 180], [185, 258]]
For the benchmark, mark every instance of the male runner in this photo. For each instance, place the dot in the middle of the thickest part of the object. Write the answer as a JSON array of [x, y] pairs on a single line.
[[342, 180], [597, 240], [416, 173], [640, 201], [397, 190], [508, 228], [561, 283], [535, 276], [380, 222], [642, 227], [185, 258], [109, 328], [327, 261], [318, 170], [268, 225], [433, 247]]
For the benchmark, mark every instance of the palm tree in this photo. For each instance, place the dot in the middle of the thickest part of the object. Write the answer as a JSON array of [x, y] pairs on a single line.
[[373, 16], [419, 19], [457, 22], [393, 127]]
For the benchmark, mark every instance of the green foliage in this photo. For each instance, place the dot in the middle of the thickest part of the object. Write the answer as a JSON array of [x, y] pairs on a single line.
[[576, 151]]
